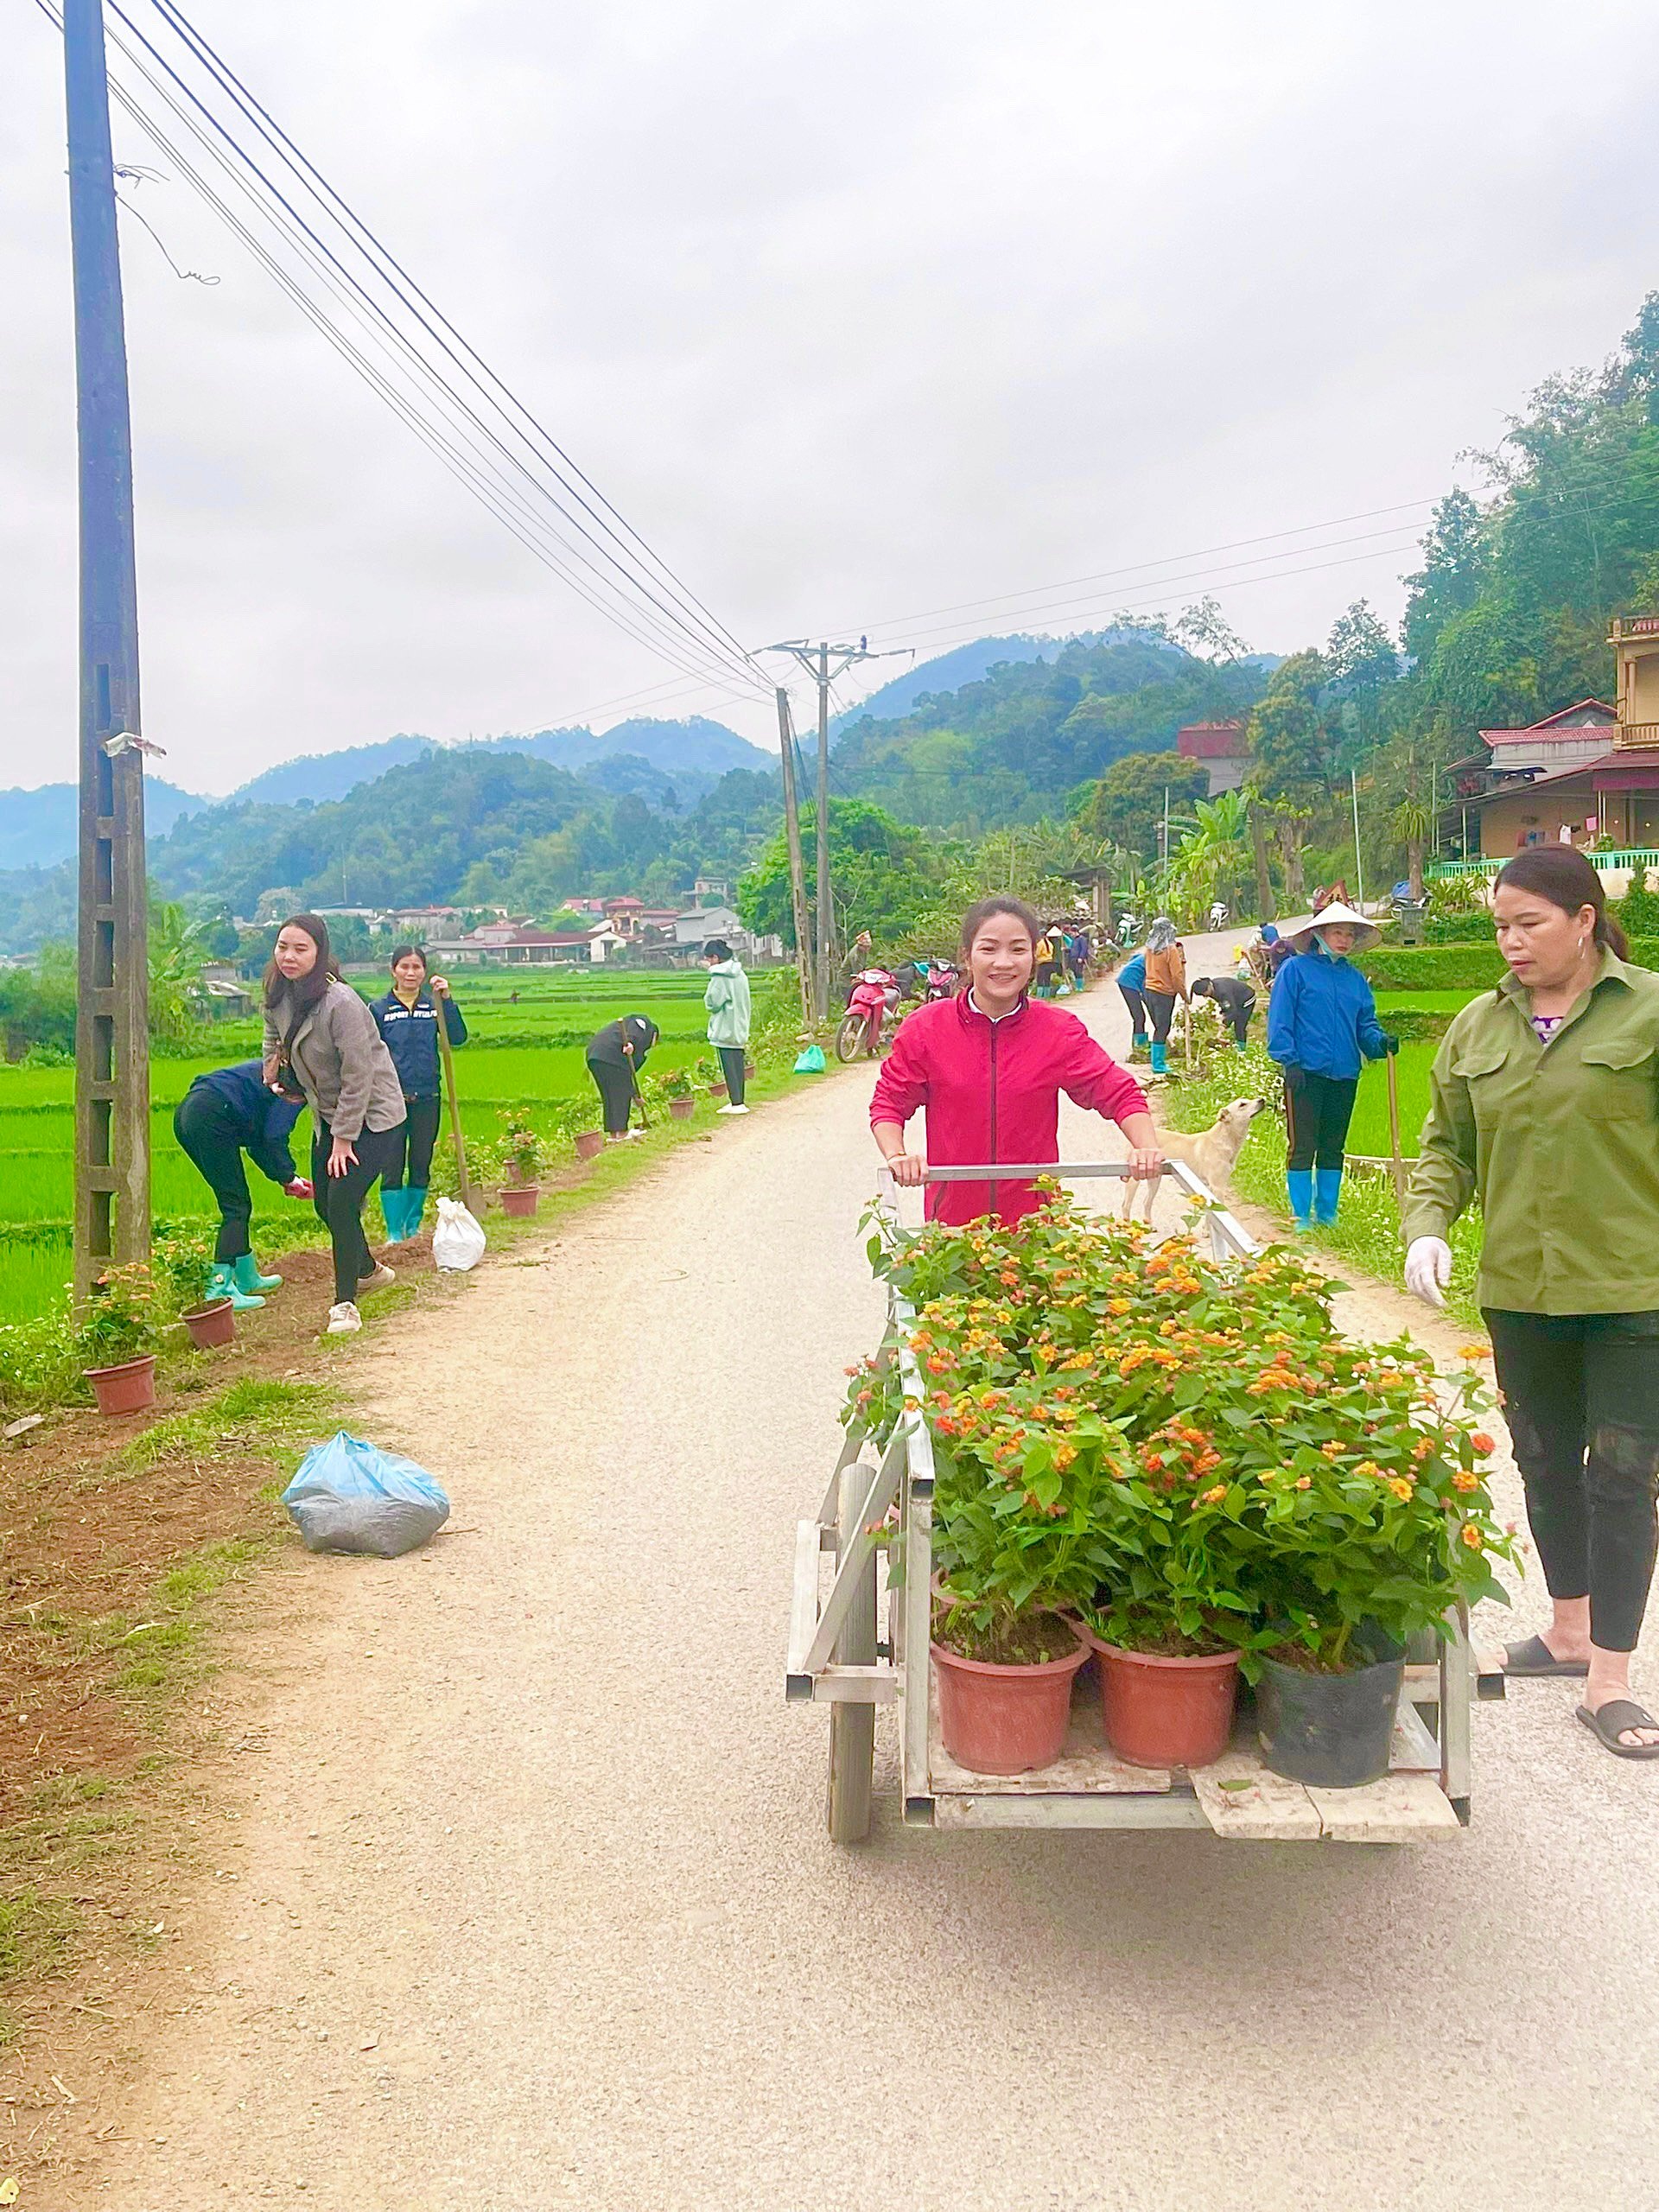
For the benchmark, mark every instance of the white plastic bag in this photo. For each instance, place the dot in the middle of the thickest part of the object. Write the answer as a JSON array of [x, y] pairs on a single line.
[[351, 1496], [458, 1240]]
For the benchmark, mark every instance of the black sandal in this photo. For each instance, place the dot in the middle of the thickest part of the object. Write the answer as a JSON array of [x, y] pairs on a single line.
[[1534, 1657], [1618, 1714]]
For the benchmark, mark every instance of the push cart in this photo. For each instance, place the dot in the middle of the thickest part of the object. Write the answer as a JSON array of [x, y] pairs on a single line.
[[839, 1656]]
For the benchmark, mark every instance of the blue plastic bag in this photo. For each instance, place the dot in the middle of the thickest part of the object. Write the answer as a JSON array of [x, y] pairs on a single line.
[[811, 1061], [351, 1496]]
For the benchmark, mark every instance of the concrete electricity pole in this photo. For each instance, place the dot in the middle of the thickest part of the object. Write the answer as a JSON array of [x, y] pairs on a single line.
[[815, 659], [111, 1046], [797, 865]]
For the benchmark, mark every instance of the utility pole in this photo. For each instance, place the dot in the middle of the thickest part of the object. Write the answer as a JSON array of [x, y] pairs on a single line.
[[797, 865], [112, 995], [815, 659], [1359, 865]]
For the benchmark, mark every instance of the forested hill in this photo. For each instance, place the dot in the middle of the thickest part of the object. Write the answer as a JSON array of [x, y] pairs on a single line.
[[463, 825], [1007, 747]]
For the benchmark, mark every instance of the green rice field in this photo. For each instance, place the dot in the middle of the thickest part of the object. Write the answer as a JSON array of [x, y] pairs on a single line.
[[515, 1077]]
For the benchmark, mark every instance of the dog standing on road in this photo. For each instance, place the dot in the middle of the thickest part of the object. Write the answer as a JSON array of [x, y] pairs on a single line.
[[1212, 1155]]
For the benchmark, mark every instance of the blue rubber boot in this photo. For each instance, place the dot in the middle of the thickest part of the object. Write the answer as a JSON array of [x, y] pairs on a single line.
[[394, 1204], [414, 1209], [1238, 1044], [1160, 1057], [1298, 1181], [1327, 1190], [1139, 1041], [221, 1283], [245, 1269]]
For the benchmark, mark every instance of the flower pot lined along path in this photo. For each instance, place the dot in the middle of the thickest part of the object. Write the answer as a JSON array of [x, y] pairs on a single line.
[[553, 1882]]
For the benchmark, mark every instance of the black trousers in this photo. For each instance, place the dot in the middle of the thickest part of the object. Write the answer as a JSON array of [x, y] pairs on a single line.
[[733, 1059], [1160, 1005], [614, 1080], [1139, 1018], [209, 1131], [413, 1164], [1317, 1113], [1581, 1396], [1238, 1013], [339, 1200]]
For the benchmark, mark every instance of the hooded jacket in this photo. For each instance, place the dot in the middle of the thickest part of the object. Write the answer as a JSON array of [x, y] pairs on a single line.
[[411, 1035], [992, 1091], [267, 1122], [727, 1000], [339, 1060], [1322, 1016]]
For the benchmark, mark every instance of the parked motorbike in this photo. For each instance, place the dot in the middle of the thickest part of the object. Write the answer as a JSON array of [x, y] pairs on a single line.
[[874, 994]]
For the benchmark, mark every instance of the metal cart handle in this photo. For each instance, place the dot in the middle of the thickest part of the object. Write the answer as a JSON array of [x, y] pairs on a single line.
[[1228, 1237]]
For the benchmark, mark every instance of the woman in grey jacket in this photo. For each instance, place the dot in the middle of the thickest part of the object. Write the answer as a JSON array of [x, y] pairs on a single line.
[[322, 1039]]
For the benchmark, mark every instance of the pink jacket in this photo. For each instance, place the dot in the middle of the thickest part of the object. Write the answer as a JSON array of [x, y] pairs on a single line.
[[992, 1090]]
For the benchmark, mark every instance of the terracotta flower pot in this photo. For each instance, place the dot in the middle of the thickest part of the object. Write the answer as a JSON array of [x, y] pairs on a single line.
[[716, 1089], [519, 1199], [212, 1324], [128, 1388], [1159, 1711], [682, 1108], [1005, 1719], [590, 1144]]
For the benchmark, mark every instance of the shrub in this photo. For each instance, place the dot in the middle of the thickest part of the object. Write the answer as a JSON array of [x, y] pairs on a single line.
[[1638, 910]]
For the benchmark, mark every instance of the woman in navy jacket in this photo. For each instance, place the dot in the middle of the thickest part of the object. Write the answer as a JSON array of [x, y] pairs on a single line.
[[408, 1017], [1322, 1026], [221, 1116]]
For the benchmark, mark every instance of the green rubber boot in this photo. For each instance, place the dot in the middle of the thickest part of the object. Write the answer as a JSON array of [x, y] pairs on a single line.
[[248, 1277], [414, 1209], [394, 1204], [222, 1283]]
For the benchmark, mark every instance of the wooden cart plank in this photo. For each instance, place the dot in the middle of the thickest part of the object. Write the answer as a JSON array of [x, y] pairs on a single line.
[[1104, 1809], [1401, 1808], [1085, 1768], [1268, 1809], [1414, 1749]]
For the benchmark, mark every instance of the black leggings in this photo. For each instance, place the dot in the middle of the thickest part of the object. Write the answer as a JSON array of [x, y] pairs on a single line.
[[1139, 1019], [414, 1160], [615, 1082], [732, 1062], [209, 1131], [1319, 1112], [339, 1200], [1581, 1396], [1160, 1005]]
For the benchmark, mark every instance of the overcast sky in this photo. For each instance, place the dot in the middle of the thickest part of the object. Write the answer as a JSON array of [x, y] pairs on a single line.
[[856, 313]]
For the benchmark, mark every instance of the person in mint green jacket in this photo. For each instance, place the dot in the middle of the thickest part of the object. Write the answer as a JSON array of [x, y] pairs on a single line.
[[727, 1000]]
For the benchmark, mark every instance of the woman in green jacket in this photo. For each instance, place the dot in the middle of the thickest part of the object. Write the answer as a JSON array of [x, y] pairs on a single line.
[[727, 1000], [1545, 1108]]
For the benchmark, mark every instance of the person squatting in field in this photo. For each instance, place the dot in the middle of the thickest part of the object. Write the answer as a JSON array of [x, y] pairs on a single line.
[[223, 1115], [988, 1068], [1545, 1107], [1235, 999], [322, 1039], [1322, 1026], [615, 1055], [408, 1019]]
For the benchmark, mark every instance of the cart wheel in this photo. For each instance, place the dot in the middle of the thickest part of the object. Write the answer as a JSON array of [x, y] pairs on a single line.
[[849, 1038], [852, 1727]]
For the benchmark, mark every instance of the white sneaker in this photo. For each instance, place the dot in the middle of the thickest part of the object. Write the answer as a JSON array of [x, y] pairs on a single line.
[[382, 1279], [343, 1319], [731, 1110]]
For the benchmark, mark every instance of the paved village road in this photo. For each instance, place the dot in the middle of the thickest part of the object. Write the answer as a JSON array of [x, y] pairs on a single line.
[[536, 1905]]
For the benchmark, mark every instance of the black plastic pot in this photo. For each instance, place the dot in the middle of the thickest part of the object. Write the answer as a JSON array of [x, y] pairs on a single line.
[[1331, 1730]]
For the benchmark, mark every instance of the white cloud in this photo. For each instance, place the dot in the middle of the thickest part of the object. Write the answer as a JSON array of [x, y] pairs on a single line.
[[853, 315]]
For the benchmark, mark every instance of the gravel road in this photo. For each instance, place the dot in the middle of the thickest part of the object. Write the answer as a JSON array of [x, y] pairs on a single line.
[[536, 1906]]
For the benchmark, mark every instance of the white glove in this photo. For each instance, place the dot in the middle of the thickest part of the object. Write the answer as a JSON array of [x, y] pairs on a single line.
[[1428, 1268]]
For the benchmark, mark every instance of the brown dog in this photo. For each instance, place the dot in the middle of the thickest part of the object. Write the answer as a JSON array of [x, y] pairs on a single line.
[[1212, 1155]]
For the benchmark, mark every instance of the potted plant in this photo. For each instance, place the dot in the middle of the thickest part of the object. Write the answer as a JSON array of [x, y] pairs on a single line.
[[676, 1090], [709, 1074], [118, 1331], [522, 1155], [180, 1259], [1376, 1521]]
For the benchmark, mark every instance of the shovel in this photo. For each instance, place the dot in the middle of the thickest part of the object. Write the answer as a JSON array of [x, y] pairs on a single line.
[[447, 1053], [1393, 1136]]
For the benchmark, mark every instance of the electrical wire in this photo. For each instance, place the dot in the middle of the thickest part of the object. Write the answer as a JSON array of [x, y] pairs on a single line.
[[447, 422]]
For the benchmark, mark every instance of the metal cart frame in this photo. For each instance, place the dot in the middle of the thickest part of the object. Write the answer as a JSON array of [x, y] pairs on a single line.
[[836, 1657]]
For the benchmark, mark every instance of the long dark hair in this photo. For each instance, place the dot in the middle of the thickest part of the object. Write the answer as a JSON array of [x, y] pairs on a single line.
[[405, 952], [1561, 875], [297, 999]]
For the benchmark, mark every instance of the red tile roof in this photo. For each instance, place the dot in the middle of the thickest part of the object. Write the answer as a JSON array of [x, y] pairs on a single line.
[[1211, 741]]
